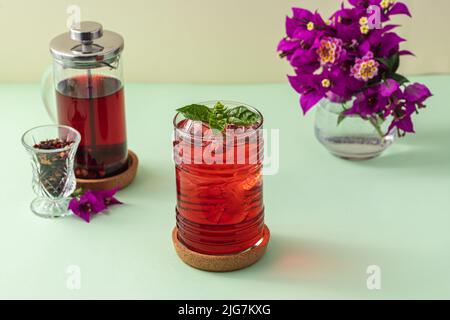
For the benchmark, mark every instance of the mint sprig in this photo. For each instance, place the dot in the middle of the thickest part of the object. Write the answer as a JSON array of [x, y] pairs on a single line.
[[242, 116], [220, 117], [196, 112]]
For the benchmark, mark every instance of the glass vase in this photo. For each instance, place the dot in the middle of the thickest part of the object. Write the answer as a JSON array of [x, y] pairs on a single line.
[[352, 137], [53, 169]]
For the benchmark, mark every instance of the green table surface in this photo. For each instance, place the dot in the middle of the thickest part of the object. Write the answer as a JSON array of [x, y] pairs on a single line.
[[330, 219]]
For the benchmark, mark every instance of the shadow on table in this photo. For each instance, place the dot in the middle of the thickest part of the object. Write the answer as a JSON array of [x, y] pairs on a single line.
[[427, 151], [303, 263], [315, 268]]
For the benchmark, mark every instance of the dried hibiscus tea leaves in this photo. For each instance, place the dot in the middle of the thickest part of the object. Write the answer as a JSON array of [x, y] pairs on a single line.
[[53, 166]]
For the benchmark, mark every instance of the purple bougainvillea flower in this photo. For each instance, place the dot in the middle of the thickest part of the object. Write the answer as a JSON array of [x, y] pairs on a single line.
[[399, 8], [342, 83], [393, 8], [302, 30], [412, 99], [402, 117], [87, 204], [305, 61], [346, 58], [388, 88], [390, 44], [405, 124], [417, 93], [309, 88], [107, 197], [364, 3], [368, 102], [93, 202], [346, 25]]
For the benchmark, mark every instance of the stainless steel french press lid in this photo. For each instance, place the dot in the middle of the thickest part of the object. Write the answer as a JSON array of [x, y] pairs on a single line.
[[87, 45]]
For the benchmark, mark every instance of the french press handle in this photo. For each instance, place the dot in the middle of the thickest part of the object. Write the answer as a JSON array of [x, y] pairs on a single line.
[[48, 93]]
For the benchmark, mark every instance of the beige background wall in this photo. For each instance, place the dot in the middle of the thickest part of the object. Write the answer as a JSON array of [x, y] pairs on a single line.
[[199, 41]]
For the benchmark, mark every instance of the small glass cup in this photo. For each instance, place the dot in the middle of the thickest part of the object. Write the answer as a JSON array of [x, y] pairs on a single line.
[[53, 169]]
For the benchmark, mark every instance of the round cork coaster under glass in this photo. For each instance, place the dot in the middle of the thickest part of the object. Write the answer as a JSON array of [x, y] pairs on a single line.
[[120, 181], [221, 263]]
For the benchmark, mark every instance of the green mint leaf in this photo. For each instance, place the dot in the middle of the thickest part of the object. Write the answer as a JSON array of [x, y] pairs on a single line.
[[218, 117], [219, 106], [242, 116], [217, 124], [196, 112]]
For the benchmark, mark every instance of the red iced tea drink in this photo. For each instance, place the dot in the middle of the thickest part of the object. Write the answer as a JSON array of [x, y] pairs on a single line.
[[95, 107], [219, 186]]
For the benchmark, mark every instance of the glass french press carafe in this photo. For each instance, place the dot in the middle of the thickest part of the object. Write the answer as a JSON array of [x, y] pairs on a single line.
[[87, 83]]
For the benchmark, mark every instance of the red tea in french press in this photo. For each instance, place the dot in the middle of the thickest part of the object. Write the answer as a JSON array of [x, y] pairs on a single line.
[[88, 82]]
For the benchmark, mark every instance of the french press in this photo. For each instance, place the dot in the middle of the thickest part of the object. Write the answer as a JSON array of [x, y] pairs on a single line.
[[87, 81]]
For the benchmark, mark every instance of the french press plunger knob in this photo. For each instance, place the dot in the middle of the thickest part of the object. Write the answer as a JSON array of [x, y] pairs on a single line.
[[86, 32]]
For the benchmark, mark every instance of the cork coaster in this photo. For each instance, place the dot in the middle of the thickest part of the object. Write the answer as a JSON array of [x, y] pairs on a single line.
[[120, 181], [224, 263]]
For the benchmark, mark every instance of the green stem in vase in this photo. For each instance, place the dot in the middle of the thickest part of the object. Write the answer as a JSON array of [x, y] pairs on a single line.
[[342, 115], [374, 121], [376, 124]]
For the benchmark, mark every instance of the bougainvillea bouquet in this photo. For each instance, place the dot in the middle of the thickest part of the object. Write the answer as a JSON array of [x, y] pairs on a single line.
[[352, 59]]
